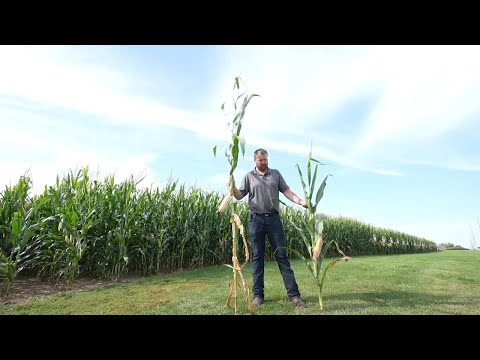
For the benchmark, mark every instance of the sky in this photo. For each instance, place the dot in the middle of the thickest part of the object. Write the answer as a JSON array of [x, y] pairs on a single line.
[[397, 127]]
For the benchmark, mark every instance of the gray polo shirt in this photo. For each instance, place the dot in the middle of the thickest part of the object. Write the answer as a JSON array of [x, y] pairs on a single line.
[[263, 190]]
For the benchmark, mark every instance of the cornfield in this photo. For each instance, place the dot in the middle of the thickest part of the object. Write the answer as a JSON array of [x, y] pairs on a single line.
[[105, 228]]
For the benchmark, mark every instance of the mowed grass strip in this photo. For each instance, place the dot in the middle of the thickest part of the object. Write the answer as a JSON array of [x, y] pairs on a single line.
[[442, 283]]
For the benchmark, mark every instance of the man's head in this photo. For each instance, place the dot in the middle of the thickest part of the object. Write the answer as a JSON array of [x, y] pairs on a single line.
[[260, 156]]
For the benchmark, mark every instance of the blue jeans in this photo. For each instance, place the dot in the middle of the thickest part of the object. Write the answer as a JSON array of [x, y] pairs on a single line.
[[271, 226]]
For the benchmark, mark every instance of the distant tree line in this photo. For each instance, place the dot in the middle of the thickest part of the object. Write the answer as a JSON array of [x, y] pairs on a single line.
[[450, 246]]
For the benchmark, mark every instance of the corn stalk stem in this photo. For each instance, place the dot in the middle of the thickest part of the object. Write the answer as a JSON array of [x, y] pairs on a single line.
[[234, 263], [320, 302]]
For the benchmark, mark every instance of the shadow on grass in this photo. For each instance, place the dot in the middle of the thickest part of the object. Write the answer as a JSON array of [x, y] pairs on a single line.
[[386, 299]]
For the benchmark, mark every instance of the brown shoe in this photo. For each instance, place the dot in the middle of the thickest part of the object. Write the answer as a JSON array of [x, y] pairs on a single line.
[[257, 301], [298, 302]]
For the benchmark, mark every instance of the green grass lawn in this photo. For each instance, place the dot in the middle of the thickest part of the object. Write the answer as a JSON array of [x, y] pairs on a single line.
[[446, 282]]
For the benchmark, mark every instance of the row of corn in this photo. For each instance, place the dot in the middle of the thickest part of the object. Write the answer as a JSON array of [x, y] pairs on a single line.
[[81, 226]]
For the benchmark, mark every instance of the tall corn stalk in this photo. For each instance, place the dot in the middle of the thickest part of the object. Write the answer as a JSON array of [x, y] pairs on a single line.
[[237, 144], [13, 207], [314, 224]]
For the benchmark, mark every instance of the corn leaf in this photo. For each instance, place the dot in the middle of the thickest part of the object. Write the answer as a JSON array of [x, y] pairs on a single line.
[[234, 154], [306, 241], [303, 185], [317, 161], [312, 184], [17, 222], [320, 191]]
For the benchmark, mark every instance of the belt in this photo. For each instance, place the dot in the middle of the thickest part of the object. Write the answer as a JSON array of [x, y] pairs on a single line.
[[266, 214]]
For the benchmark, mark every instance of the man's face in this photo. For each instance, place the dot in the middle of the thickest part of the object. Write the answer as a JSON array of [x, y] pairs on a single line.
[[261, 162]]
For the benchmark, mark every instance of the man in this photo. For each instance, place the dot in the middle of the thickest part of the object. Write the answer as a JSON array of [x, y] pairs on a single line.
[[263, 185]]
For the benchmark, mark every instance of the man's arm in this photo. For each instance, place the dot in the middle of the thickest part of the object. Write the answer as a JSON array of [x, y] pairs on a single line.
[[237, 193], [290, 195]]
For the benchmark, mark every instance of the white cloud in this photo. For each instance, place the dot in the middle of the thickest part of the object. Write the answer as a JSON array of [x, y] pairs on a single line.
[[321, 154], [451, 163], [419, 93], [427, 92], [39, 77]]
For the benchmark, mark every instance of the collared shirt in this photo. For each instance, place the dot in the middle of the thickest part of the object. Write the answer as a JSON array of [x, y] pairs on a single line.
[[263, 190]]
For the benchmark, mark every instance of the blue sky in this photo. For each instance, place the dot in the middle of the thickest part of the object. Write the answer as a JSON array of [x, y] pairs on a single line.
[[397, 126]]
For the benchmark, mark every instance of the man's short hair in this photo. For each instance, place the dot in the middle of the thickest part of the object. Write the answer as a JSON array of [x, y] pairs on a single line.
[[260, 151]]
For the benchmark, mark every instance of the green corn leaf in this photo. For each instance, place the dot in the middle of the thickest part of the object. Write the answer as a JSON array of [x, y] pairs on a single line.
[[309, 172], [325, 248], [320, 191], [303, 185], [234, 154], [234, 107], [306, 260], [332, 263], [298, 253], [93, 212], [312, 185], [310, 224], [242, 112], [239, 96], [16, 227], [309, 165], [318, 228], [317, 161], [215, 151], [310, 268], [306, 241], [236, 119], [322, 254]]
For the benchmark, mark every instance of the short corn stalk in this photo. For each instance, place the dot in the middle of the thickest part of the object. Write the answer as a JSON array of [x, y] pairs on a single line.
[[315, 239], [237, 145]]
